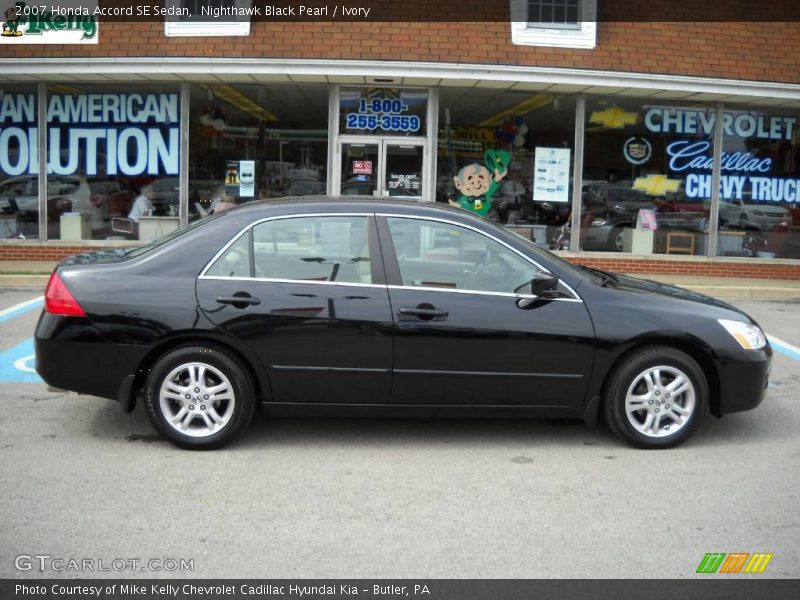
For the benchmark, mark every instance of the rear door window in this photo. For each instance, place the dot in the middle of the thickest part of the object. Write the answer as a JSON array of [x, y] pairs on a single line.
[[319, 248], [324, 248]]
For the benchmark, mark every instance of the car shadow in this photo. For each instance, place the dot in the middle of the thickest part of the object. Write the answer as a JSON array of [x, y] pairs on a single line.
[[266, 431], [420, 432], [286, 432]]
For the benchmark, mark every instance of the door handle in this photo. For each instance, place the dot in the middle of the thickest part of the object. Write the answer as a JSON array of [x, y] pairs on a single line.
[[425, 313], [239, 300]]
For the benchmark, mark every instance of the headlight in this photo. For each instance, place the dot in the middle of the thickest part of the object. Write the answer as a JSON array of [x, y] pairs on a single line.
[[750, 337], [758, 213], [598, 222]]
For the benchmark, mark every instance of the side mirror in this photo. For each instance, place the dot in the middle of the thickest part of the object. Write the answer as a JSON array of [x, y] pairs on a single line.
[[543, 287]]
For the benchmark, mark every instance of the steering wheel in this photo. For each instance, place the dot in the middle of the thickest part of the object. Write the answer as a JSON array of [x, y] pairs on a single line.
[[474, 273]]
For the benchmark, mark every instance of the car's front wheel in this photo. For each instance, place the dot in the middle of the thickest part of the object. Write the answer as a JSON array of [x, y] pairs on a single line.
[[198, 397], [656, 398]]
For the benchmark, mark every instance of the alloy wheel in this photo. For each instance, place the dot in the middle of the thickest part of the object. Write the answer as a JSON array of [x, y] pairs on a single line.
[[197, 399], [660, 401]]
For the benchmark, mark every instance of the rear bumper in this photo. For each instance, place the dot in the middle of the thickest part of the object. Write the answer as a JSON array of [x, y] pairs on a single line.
[[744, 377], [72, 355]]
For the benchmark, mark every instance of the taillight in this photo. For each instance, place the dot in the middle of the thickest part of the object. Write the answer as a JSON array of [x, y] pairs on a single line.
[[96, 199], [58, 300]]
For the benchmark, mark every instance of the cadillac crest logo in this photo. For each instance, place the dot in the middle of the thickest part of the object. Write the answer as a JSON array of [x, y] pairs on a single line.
[[637, 150]]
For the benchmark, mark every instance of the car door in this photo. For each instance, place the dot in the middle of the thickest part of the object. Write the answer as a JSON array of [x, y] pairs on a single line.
[[461, 336], [308, 295]]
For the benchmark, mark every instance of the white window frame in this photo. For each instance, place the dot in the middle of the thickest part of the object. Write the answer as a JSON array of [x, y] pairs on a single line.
[[216, 28], [524, 34]]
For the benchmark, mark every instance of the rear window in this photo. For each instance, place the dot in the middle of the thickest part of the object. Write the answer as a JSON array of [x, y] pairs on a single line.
[[140, 250], [62, 186]]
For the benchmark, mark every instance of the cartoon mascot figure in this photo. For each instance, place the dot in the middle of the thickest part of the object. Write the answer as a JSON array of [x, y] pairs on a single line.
[[12, 23], [478, 183]]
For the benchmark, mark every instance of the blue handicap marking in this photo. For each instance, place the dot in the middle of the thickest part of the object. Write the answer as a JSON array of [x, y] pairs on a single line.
[[18, 364], [783, 347]]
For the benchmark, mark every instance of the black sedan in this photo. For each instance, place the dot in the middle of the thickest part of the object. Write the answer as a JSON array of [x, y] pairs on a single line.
[[379, 307]]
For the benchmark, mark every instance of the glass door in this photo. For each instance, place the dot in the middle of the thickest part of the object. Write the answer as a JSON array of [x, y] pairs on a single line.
[[381, 168], [402, 170], [359, 169]]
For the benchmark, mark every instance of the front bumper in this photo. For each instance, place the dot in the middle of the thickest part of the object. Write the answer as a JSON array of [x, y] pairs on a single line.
[[743, 379]]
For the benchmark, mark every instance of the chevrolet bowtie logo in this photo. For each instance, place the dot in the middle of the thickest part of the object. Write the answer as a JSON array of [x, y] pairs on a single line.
[[613, 118], [656, 185]]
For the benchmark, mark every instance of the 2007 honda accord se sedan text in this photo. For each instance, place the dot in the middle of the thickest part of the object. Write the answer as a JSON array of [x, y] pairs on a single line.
[[387, 308]]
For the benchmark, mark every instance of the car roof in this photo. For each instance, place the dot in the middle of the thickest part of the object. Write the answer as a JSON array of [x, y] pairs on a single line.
[[319, 203]]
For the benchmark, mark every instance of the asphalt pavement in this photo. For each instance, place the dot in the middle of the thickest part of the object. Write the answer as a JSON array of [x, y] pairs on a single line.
[[384, 498]]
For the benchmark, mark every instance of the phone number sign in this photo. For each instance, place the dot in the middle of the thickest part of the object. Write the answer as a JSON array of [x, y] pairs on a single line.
[[383, 114]]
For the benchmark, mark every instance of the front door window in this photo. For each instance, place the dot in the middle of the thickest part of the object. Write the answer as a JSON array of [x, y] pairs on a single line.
[[441, 255]]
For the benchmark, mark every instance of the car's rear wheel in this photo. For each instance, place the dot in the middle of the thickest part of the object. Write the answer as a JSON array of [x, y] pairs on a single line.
[[656, 398], [616, 239], [198, 397]]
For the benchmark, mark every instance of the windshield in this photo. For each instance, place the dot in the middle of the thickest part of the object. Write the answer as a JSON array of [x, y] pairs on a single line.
[[139, 250]]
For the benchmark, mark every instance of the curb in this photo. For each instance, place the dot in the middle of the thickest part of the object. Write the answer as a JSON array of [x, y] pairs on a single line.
[[750, 293], [7, 281]]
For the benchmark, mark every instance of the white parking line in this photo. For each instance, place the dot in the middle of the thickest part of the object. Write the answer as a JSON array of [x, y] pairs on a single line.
[[18, 309]]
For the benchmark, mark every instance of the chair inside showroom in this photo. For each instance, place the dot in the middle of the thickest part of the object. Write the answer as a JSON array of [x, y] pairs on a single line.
[[123, 228], [680, 242]]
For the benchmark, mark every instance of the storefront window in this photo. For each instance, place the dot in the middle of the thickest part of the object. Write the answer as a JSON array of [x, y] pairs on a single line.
[[256, 141], [110, 151], [641, 192], [19, 165], [759, 211], [508, 156]]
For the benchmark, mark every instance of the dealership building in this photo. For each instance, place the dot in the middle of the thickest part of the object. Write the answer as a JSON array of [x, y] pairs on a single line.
[[614, 138]]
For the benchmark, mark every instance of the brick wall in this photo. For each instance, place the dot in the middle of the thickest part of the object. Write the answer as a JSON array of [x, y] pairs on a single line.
[[768, 51], [19, 251], [13, 252], [708, 268]]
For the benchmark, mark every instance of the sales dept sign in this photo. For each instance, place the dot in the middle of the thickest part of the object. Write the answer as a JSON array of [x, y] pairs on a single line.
[[63, 22], [96, 134]]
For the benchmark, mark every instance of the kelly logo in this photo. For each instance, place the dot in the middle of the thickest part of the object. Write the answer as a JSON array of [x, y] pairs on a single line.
[[38, 25], [735, 562]]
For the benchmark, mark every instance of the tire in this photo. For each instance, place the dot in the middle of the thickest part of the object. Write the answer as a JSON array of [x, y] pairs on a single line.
[[743, 222], [633, 383], [198, 421], [615, 239]]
